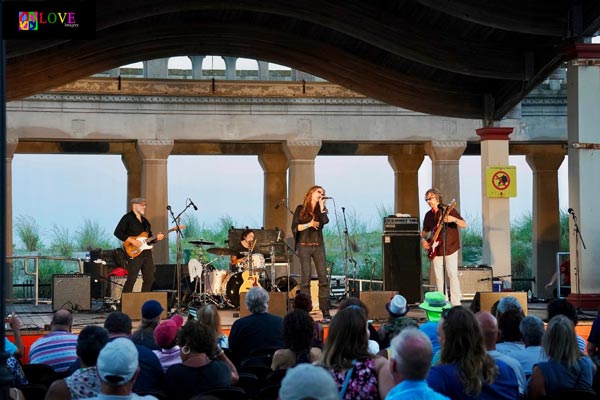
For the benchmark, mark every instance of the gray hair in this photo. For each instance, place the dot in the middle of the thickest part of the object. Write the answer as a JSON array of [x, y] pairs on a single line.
[[257, 300], [412, 351], [507, 303], [532, 330]]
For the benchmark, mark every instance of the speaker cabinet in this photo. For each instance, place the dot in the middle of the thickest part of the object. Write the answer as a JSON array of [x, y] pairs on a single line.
[[131, 303], [474, 279], [402, 265], [375, 302], [484, 301], [277, 304], [71, 292]]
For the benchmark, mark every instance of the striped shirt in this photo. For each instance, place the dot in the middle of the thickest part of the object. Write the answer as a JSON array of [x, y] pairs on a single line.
[[57, 349]]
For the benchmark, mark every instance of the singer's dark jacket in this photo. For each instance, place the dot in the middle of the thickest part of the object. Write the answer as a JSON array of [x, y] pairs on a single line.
[[309, 235], [452, 236], [130, 226]]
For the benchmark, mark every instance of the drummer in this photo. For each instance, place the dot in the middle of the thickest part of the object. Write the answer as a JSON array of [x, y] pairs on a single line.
[[243, 247]]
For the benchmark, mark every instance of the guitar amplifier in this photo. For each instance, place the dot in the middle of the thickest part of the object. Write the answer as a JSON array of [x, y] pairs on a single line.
[[475, 279], [71, 292], [400, 224]]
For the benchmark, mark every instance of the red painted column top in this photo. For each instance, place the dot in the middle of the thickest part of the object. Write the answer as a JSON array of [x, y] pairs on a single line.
[[494, 133]]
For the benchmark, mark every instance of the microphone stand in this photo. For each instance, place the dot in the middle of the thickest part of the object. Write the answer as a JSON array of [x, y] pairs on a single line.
[[444, 227], [178, 237], [346, 255], [578, 237]]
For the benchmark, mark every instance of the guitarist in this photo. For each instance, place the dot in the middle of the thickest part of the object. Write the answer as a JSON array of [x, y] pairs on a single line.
[[132, 225], [432, 223]]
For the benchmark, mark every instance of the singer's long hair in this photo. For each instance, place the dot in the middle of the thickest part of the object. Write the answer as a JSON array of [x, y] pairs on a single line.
[[307, 212]]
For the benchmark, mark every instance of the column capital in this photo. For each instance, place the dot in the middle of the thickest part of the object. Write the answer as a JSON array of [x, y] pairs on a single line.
[[544, 158], [11, 147], [302, 149], [408, 157], [494, 133], [154, 149], [273, 159], [439, 150]]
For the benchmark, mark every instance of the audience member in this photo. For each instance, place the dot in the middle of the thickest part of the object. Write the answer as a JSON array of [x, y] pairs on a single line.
[[197, 373], [566, 368], [144, 334], [507, 303], [357, 372], [209, 316], [409, 366], [16, 349], [434, 304], [395, 327], [397, 307], [303, 301], [307, 381], [374, 346], [118, 369], [532, 331], [84, 382], [563, 307], [297, 335], [151, 376], [165, 336], [465, 370], [58, 348], [258, 330], [510, 335], [489, 328]]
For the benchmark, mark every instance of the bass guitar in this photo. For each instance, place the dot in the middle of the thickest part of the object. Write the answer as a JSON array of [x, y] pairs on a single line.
[[143, 238], [434, 242]]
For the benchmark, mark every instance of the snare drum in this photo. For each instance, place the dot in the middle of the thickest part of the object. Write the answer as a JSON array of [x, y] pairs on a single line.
[[216, 282]]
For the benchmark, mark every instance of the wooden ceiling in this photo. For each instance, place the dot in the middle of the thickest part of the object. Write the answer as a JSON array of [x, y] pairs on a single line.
[[464, 58]]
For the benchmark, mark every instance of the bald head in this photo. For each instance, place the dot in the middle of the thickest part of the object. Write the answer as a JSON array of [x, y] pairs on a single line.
[[62, 320], [489, 327]]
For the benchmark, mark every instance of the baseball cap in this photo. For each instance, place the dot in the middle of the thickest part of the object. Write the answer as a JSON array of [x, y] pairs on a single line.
[[166, 332], [151, 309], [307, 380], [117, 362]]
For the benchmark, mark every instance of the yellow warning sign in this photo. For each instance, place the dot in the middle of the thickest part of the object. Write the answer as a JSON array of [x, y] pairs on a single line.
[[501, 181]]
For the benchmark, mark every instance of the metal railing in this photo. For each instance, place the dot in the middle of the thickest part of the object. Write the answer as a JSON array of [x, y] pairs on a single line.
[[36, 268]]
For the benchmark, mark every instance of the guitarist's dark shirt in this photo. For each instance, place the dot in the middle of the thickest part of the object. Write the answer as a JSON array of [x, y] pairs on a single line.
[[130, 226], [452, 236]]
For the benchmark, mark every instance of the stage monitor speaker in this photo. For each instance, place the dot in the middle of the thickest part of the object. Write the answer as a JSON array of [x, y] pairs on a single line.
[[402, 265], [277, 304], [131, 303], [483, 301], [375, 302], [71, 292], [314, 293], [474, 279]]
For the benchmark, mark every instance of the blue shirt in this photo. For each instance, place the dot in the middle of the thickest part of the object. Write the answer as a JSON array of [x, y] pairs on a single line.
[[414, 390]]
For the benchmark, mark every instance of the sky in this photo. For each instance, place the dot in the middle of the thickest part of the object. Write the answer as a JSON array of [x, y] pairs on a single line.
[[64, 190]]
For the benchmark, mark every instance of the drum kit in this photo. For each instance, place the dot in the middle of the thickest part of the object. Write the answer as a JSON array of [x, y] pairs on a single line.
[[222, 287]]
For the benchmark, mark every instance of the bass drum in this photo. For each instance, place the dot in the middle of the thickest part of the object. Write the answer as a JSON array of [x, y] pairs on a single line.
[[282, 284], [232, 289]]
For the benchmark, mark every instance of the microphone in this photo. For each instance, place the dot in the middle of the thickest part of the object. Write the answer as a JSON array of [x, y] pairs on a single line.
[[169, 208], [327, 198], [279, 204], [571, 211], [192, 204], [440, 206]]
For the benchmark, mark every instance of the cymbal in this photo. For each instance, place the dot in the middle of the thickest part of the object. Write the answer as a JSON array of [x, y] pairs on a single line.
[[201, 242], [221, 251]]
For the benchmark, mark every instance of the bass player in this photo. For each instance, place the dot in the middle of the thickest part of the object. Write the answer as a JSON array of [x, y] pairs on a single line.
[[433, 242], [132, 226]]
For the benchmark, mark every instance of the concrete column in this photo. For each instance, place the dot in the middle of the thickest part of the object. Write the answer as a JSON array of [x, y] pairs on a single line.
[[274, 164], [156, 69], [583, 119], [406, 161], [445, 156], [10, 148], [133, 164], [197, 66], [114, 73], [154, 154], [544, 161], [230, 74], [263, 70], [495, 211]]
